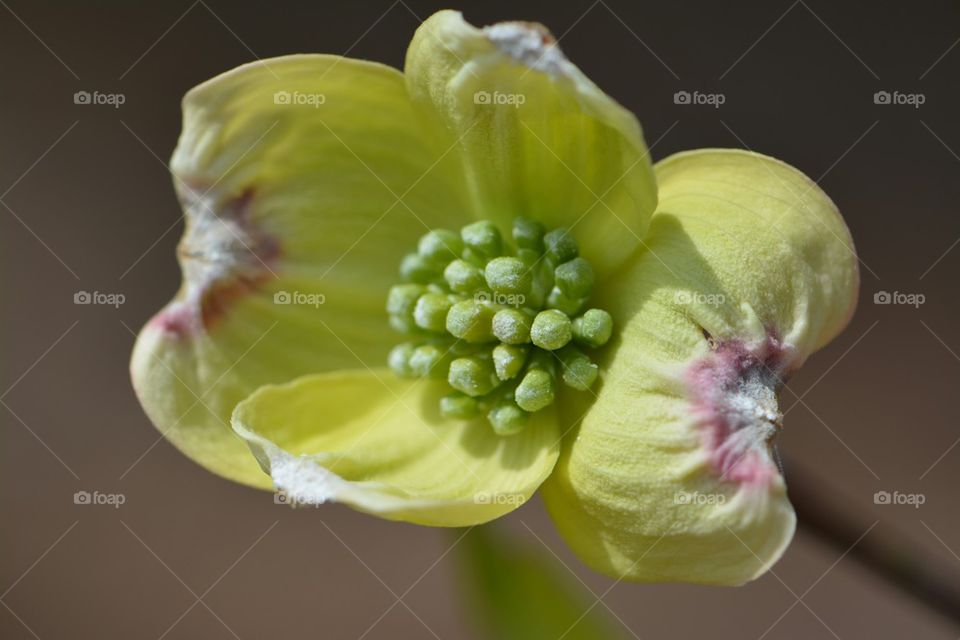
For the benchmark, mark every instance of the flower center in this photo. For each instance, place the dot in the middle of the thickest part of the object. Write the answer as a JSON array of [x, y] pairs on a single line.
[[501, 323]]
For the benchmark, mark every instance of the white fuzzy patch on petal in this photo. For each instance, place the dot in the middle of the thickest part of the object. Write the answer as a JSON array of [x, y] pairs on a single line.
[[221, 242], [223, 255], [734, 391], [530, 44], [302, 479]]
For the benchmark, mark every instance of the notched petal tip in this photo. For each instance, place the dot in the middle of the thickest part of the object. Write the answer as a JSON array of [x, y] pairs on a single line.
[[733, 392], [531, 44], [301, 477], [224, 255]]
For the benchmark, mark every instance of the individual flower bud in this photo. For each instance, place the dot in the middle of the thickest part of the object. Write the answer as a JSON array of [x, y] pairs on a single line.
[[473, 376], [471, 321], [541, 268], [508, 360], [528, 234], [574, 278], [440, 246], [512, 326], [429, 361], [551, 330], [399, 360], [459, 405], [579, 372], [593, 328], [560, 245], [414, 268], [483, 239], [431, 310], [569, 306], [402, 299], [463, 277], [401, 302], [507, 418], [508, 276], [535, 391]]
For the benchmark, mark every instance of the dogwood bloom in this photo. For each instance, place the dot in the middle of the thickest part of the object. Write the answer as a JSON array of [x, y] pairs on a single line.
[[658, 309]]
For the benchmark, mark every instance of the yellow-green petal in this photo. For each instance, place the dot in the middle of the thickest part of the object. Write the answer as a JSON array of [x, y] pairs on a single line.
[[670, 475], [303, 179], [378, 444], [534, 136]]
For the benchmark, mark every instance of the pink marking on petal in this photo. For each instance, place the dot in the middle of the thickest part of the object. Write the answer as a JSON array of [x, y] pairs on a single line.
[[224, 255], [734, 392], [220, 297], [176, 320]]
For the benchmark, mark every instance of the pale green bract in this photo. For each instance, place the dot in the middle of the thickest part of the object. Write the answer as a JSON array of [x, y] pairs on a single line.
[[307, 179]]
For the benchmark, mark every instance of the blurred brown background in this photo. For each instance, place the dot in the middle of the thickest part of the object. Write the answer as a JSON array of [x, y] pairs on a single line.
[[88, 206]]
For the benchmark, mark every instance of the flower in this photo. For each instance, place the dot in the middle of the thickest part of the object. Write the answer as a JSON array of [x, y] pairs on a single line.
[[306, 179]]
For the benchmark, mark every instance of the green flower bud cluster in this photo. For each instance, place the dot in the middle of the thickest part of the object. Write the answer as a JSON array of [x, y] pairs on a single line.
[[504, 324]]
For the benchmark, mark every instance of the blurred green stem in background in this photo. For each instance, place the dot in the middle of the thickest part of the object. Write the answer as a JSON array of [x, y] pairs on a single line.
[[518, 591]]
